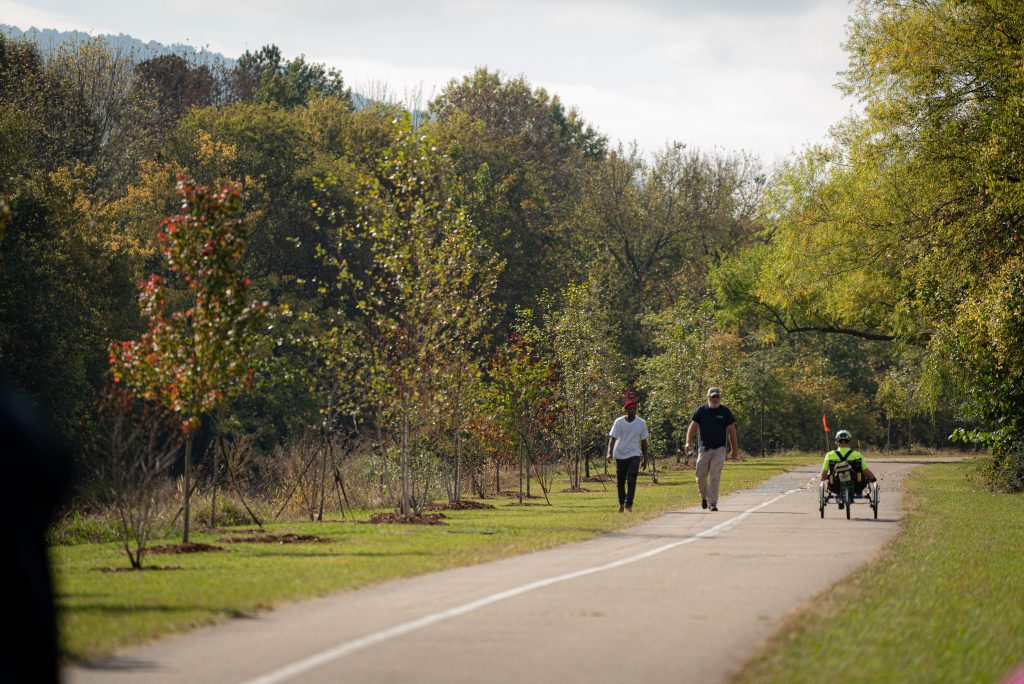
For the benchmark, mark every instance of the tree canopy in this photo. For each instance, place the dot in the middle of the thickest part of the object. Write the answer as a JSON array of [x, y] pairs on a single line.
[[908, 227], [493, 275]]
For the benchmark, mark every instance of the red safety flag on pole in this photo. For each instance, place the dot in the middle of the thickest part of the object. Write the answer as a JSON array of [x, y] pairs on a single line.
[[824, 423]]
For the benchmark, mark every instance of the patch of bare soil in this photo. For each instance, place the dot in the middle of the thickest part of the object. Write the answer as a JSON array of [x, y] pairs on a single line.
[[576, 490], [513, 494], [598, 478], [684, 466], [145, 567], [528, 503], [183, 548], [458, 506], [275, 539], [392, 518]]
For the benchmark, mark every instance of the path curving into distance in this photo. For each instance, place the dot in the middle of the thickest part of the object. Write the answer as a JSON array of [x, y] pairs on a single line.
[[686, 597]]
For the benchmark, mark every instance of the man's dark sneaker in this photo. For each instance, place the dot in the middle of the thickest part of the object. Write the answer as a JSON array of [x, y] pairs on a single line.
[[629, 507], [621, 508], [703, 503], [713, 507], [841, 505]]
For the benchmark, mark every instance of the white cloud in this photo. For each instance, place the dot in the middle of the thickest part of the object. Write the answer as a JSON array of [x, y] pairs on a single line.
[[26, 16], [402, 82], [763, 83], [735, 73]]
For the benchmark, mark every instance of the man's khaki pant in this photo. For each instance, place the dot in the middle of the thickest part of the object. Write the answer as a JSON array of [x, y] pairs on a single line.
[[709, 473]]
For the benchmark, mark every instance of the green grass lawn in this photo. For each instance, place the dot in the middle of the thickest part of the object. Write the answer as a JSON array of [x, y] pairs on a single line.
[[104, 611], [943, 603]]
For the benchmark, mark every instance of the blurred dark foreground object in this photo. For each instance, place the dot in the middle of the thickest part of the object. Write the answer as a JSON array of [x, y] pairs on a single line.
[[37, 472]]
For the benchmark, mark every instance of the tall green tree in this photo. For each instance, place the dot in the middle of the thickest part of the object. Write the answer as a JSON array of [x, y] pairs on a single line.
[[415, 277], [66, 289], [523, 392], [652, 230], [908, 227], [177, 86], [265, 76], [691, 354], [521, 155], [590, 375], [80, 105]]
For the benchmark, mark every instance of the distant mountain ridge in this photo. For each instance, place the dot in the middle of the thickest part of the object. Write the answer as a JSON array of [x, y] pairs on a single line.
[[49, 40]]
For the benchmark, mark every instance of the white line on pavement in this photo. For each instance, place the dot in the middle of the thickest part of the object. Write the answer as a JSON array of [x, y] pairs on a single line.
[[345, 648]]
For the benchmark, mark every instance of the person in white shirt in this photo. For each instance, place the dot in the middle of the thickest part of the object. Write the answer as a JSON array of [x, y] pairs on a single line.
[[627, 442]]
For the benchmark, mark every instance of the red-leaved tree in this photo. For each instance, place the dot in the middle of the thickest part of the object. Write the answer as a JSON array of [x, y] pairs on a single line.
[[193, 359]]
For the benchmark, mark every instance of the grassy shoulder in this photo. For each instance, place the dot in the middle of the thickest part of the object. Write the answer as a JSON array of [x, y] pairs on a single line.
[[103, 611], [943, 603]]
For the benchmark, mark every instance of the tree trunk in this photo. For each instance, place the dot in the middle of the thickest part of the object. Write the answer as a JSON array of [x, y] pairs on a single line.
[[405, 460], [520, 478], [763, 453], [188, 483], [338, 480], [576, 456], [476, 480], [528, 478], [578, 466], [544, 489], [323, 477], [213, 495], [458, 466], [458, 433]]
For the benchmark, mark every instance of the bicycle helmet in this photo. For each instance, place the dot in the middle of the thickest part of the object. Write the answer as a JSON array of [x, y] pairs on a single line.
[[844, 436]]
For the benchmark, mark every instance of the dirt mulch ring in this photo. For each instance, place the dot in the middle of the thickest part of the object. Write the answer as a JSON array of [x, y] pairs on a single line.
[[513, 494], [393, 518], [528, 503], [144, 567], [275, 539], [458, 506], [183, 548], [598, 478], [577, 490]]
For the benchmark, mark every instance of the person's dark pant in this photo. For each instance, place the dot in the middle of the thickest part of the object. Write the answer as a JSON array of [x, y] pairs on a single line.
[[626, 470]]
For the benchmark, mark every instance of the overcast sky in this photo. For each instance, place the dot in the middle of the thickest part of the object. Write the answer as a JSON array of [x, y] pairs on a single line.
[[756, 75]]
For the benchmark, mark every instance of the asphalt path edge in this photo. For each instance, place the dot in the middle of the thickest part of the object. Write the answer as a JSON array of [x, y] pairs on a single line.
[[343, 649]]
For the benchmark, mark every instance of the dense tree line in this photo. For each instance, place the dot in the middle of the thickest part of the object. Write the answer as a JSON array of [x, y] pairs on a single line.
[[908, 226], [483, 287]]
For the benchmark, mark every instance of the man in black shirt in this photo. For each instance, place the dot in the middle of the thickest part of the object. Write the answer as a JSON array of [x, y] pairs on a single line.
[[716, 425]]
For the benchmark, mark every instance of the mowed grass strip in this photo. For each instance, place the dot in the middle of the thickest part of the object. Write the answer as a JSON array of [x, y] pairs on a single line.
[[943, 603], [103, 611]]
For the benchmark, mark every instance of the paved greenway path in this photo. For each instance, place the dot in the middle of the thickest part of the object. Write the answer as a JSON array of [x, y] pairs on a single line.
[[686, 597]]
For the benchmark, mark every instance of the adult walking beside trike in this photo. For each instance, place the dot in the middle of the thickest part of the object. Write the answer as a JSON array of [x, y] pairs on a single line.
[[717, 428]]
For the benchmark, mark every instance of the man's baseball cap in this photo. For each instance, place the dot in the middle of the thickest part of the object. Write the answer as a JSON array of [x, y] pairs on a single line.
[[628, 403], [714, 392]]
